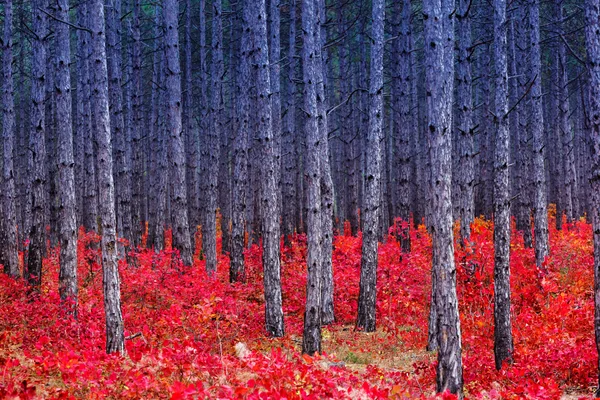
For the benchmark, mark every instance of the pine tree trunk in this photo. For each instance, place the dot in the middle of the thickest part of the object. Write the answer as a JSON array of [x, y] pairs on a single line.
[[311, 340], [66, 177], [115, 341], [181, 229], [9, 236], [37, 235], [439, 71], [503, 342], [540, 209], [209, 231], [592, 38], [372, 197], [464, 123]]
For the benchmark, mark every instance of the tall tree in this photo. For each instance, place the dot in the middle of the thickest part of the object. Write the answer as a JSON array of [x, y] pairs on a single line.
[[439, 71], [503, 343], [66, 176], [240, 152], [592, 41], [209, 229], [464, 123], [37, 145], [9, 236], [368, 266], [402, 119], [311, 340], [115, 340], [181, 229], [540, 209], [268, 171]]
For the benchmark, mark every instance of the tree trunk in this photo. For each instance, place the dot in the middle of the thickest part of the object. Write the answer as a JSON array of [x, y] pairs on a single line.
[[37, 235], [503, 342], [115, 341], [311, 340], [9, 236], [439, 71], [66, 177], [372, 192], [181, 229], [464, 123], [540, 209], [209, 231]]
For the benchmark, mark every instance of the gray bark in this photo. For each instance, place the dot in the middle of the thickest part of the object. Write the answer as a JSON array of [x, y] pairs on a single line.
[[540, 209], [66, 177], [115, 341], [439, 73], [503, 342], [9, 236], [372, 192], [592, 38], [37, 234], [181, 229], [209, 230], [464, 123], [311, 340]]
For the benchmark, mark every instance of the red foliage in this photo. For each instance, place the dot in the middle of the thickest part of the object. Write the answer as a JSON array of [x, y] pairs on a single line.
[[183, 326]]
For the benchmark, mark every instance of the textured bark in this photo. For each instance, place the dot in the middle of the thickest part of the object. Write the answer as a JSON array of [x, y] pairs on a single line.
[[439, 71], [566, 128], [115, 341], [289, 137], [209, 231], [9, 236], [464, 123], [402, 120], [137, 174], [327, 195], [523, 213], [117, 122], [240, 154], [503, 342], [66, 177], [372, 197], [275, 72], [592, 38], [268, 175], [311, 340], [540, 209], [37, 234], [191, 131], [181, 230]]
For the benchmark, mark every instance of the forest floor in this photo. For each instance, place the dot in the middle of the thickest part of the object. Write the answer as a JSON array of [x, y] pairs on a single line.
[[192, 336]]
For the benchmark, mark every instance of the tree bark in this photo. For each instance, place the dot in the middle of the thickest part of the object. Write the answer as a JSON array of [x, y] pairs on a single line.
[[372, 197], [181, 229], [37, 235], [66, 177], [311, 340], [115, 341], [540, 209], [503, 342], [9, 236], [439, 71]]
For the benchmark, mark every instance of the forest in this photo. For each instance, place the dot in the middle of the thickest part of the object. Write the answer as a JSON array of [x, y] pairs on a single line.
[[300, 199]]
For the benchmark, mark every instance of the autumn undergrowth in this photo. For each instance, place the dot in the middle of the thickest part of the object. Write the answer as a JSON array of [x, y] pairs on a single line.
[[182, 327]]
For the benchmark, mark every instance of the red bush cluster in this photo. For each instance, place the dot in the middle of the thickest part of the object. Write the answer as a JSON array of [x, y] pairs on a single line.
[[182, 326]]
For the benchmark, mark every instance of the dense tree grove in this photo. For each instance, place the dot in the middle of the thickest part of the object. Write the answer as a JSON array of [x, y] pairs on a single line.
[[207, 127]]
